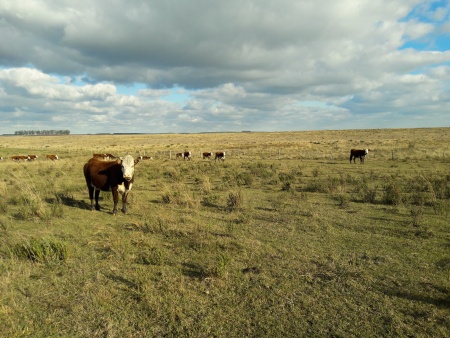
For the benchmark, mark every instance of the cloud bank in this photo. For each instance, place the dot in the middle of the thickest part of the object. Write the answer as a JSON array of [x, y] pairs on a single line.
[[206, 65]]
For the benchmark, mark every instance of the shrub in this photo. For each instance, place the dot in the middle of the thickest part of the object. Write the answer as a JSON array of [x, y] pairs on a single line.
[[235, 200], [392, 193], [343, 200]]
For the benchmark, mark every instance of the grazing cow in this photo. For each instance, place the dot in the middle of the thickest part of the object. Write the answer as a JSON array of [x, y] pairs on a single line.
[[358, 153], [145, 158], [52, 157], [32, 157], [179, 155], [220, 155], [187, 155], [18, 158], [105, 157], [117, 176], [207, 155]]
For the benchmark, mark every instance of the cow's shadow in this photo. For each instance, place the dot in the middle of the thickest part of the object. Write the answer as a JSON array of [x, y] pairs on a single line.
[[69, 201]]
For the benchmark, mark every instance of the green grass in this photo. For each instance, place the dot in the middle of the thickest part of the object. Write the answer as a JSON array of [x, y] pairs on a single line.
[[301, 246]]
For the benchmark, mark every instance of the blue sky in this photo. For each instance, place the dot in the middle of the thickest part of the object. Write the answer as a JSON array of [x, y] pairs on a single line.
[[198, 66]]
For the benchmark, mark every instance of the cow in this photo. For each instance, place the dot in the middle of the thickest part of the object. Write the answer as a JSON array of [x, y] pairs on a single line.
[[358, 153], [179, 155], [115, 176], [145, 158], [207, 155], [18, 158], [187, 155], [52, 157], [105, 157], [220, 155], [32, 157]]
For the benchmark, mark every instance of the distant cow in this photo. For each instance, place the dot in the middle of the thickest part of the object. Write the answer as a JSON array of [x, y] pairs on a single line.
[[187, 155], [52, 157], [207, 155], [18, 158], [358, 153], [145, 158], [32, 157], [220, 155], [117, 176], [179, 155], [105, 157]]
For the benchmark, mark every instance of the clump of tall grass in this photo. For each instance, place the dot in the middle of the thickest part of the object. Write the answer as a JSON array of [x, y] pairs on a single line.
[[235, 200], [244, 178], [392, 193], [41, 250], [365, 193], [180, 195]]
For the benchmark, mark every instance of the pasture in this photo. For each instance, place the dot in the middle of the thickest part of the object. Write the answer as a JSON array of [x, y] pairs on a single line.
[[285, 238]]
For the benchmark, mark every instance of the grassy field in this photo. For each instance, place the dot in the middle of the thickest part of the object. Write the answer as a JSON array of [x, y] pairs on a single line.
[[284, 238]]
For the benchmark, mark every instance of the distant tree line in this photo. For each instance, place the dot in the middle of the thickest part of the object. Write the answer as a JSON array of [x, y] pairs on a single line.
[[42, 132]]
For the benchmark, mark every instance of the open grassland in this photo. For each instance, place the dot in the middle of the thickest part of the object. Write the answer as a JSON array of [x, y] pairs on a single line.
[[284, 238]]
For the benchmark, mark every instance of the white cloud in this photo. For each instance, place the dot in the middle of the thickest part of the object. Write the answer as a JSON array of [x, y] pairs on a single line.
[[235, 64]]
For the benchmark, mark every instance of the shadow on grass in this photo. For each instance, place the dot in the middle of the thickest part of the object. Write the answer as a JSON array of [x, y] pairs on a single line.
[[193, 270], [69, 201], [440, 302]]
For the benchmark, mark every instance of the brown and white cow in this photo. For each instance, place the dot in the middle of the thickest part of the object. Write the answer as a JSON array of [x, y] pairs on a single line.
[[145, 158], [207, 155], [187, 155], [179, 155], [105, 157], [220, 155], [32, 157], [18, 158], [115, 176], [358, 153], [52, 157]]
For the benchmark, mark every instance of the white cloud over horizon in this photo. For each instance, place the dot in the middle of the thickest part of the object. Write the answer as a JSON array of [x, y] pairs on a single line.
[[197, 66]]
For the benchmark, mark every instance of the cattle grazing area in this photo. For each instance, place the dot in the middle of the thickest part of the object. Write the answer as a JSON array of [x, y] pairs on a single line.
[[285, 238]]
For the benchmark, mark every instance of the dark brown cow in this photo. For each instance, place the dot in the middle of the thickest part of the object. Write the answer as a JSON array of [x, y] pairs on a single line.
[[32, 157], [207, 155], [358, 153], [116, 176], [187, 155], [220, 155], [179, 155], [52, 157], [18, 158]]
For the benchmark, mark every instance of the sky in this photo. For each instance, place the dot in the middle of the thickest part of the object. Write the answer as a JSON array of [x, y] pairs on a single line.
[[190, 66]]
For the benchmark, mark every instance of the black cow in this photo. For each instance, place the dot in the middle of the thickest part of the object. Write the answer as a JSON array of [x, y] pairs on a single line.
[[358, 153]]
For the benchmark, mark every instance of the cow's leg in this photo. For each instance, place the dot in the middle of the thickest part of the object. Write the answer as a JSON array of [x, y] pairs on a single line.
[[91, 196], [124, 201], [97, 206], [115, 194]]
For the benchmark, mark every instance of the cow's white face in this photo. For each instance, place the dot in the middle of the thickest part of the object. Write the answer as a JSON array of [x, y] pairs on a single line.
[[366, 151], [128, 167]]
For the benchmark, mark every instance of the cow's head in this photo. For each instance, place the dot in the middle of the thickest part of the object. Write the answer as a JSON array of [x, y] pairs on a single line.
[[128, 163], [366, 151]]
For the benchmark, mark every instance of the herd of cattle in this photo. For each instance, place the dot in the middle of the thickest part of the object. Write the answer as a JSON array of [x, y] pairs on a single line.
[[18, 158], [186, 155], [106, 172]]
